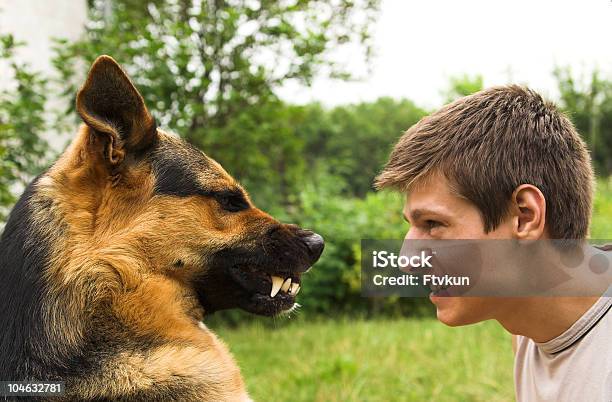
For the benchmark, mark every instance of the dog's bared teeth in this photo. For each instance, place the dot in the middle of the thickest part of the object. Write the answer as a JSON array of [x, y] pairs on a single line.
[[286, 285], [295, 288], [277, 282]]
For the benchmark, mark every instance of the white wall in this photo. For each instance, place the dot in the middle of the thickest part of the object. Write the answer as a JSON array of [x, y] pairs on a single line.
[[37, 22]]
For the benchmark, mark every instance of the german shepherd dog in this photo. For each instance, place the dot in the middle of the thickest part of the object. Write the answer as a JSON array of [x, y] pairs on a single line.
[[111, 258]]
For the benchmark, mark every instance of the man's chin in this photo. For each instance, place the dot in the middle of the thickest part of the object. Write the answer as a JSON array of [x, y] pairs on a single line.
[[454, 311], [448, 318]]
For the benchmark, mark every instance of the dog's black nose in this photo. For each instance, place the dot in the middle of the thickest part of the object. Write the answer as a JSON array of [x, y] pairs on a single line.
[[315, 244]]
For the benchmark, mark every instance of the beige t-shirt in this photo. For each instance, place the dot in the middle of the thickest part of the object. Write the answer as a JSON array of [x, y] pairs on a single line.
[[576, 366]]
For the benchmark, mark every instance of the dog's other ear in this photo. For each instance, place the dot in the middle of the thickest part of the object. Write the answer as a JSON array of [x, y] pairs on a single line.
[[112, 107]]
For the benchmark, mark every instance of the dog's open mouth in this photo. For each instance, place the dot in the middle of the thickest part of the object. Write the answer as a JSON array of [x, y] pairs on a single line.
[[269, 293]]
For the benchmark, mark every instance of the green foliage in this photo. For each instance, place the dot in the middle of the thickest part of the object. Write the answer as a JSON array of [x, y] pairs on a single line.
[[22, 150], [335, 283], [210, 70], [353, 142], [463, 85], [589, 105]]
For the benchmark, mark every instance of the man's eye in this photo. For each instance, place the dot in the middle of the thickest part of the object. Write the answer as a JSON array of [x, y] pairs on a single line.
[[432, 224]]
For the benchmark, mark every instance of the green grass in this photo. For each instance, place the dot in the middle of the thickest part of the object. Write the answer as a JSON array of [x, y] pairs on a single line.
[[601, 226], [380, 360]]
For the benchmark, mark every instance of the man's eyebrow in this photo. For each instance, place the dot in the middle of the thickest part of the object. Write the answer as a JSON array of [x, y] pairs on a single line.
[[417, 213]]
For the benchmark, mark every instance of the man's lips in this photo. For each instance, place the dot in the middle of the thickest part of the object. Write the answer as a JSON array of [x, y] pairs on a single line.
[[437, 294], [439, 290]]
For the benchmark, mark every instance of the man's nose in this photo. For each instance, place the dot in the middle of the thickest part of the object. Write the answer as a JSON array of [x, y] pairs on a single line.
[[412, 234]]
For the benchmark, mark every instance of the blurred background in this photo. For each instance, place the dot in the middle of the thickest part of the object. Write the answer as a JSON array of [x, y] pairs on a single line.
[[302, 101]]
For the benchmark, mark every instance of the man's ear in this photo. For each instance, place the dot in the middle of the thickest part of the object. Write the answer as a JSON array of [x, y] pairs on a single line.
[[112, 107], [529, 210]]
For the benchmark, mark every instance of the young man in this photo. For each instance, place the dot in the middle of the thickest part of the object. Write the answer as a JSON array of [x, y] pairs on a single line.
[[504, 164]]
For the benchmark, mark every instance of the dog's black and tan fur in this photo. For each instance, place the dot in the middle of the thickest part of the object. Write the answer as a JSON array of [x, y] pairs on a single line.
[[111, 258]]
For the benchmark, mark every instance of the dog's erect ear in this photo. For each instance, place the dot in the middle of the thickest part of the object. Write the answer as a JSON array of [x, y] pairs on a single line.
[[111, 106]]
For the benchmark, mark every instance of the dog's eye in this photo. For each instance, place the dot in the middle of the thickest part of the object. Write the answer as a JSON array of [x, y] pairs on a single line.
[[232, 202]]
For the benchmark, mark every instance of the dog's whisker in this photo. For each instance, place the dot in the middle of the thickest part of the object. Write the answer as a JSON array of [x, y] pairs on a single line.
[[286, 314]]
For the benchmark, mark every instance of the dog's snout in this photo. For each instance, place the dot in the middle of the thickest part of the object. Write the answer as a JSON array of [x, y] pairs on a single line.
[[315, 244], [293, 248]]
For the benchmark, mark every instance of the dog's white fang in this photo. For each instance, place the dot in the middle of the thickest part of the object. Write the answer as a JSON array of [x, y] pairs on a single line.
[[286, 285], [277, 283]]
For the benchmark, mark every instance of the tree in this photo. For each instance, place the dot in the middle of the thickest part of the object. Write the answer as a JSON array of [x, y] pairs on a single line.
[[462, 85], [353, 142], [210, 69], [22, 149], [589, 105]]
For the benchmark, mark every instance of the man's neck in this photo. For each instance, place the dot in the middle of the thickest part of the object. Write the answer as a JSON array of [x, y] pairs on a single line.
[[542, 318]]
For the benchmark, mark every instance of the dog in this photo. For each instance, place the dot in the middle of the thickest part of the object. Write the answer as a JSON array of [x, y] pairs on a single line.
[[111, 258]]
